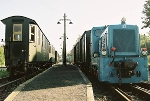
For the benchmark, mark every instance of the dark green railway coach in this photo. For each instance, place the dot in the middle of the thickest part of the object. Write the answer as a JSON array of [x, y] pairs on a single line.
[[26, 46]]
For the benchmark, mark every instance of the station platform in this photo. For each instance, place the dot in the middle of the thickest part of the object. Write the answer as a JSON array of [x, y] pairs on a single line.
[[58, 83]]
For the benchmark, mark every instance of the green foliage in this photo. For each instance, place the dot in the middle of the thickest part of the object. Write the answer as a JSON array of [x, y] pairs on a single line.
[[149, 60], [146, 12], [2, 59], [145, 42], [3, 73]]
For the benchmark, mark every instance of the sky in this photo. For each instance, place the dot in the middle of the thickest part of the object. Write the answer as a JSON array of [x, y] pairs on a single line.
[[84, 14]]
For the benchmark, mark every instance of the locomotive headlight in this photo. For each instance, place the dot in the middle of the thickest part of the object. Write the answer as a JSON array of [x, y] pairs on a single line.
[[95, 55], [144, 51], [104, 52], [123, 19]]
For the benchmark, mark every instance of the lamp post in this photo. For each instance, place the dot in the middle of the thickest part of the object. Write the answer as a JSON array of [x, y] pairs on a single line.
[[62, 51], [64, 41]]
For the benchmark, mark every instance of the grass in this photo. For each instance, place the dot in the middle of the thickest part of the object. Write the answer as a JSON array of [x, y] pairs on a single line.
[[3, 73]]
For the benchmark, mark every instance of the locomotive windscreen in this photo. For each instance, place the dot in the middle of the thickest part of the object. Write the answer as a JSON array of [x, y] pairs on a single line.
[[124, 40]]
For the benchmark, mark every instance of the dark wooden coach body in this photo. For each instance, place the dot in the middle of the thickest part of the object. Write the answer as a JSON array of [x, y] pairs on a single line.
[[26, 46]]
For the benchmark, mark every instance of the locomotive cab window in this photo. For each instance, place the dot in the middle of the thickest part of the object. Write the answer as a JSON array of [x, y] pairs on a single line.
[[98, 32], [17, 32]]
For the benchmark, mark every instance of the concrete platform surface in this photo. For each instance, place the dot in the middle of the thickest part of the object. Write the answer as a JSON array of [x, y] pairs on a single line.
[[58, 83]]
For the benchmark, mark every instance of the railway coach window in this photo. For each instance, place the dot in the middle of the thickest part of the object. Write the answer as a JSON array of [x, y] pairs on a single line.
[[39, 37], [17, 32], [32, 33]]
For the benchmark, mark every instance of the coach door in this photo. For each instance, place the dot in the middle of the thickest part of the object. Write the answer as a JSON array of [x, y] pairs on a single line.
[[32, 42]]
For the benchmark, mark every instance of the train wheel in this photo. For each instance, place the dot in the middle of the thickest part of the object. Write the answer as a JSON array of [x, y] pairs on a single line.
[[25, 67], [12, 71], [25, 70], [93, 72]]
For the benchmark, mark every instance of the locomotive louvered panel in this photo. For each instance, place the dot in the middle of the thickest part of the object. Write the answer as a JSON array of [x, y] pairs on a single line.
[[124, 40]]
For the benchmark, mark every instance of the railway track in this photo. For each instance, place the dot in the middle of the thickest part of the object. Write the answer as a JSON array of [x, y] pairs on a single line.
[[7, 79], [123, 96], [8, 84], [132, 92], [3, 79], [142, 91], [128, 92]]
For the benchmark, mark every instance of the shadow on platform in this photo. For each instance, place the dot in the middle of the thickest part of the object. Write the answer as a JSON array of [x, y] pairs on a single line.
[[57, 76]]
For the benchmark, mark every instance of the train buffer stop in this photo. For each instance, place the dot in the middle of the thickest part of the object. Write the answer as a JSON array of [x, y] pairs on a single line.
[[58, 83]]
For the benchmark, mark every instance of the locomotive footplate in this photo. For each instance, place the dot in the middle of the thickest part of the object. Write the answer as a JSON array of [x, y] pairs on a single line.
[[125, 68]]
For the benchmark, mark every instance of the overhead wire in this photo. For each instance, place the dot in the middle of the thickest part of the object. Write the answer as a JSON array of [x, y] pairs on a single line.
[[54, 10], [49, 7]]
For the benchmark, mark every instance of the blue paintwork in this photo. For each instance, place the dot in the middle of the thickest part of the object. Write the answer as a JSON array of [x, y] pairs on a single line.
[[126, 60], [105, 71], [94, 43], [137, 42]]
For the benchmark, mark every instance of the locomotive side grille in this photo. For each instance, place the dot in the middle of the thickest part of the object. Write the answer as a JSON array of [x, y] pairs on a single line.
[[124, 40]]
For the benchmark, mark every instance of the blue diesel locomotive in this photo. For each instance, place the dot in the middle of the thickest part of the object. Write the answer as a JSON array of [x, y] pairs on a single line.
[[112, 54]]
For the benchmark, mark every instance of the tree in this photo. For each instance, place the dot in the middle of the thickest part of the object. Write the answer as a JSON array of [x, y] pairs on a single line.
[[2, 59], [145, 42], [146, 12]]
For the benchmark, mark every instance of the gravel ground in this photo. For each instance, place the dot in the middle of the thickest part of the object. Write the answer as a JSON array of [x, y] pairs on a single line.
[[55, 84], [100, 91]]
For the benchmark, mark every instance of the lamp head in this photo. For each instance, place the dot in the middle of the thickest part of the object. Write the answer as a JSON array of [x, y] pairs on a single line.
[[58, 22], [70, 22]]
